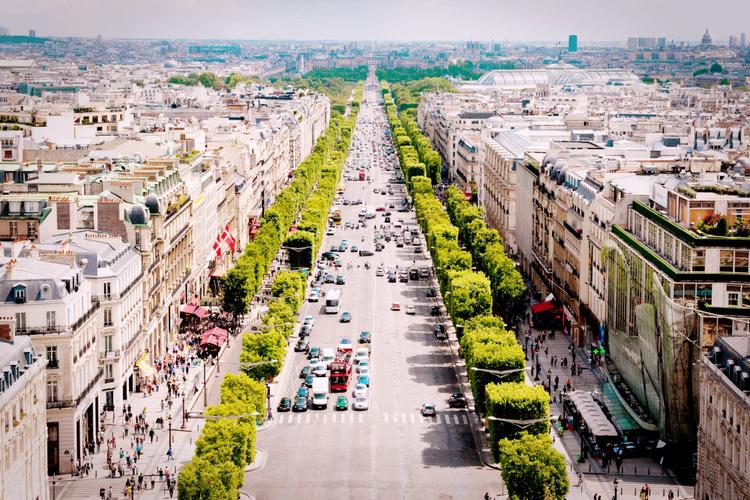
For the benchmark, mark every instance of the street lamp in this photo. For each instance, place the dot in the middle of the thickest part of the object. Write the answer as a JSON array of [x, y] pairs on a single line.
[[169, 419]]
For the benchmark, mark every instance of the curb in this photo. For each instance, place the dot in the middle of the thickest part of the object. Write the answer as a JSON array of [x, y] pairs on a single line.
[[261, 457]]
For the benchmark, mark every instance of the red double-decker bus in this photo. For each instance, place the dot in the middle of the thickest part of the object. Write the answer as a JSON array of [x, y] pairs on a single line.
[[341, 371]]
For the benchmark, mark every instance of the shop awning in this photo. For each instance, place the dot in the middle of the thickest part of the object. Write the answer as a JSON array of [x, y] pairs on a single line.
[[144, 366], [592, 414], [190, 309], [542, 307], [219, 333], [210, 340]]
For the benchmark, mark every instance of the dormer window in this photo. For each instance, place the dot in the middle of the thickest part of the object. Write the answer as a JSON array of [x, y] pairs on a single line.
[[19, 293], [44, 292]]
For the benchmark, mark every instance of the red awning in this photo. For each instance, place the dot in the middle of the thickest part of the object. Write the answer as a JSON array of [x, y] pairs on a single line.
[[468, 195], [211, 340], [198, 311], [218, 333], [541, 307]]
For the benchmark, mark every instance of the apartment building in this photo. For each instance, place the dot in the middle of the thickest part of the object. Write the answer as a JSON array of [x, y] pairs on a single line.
[[23, 422], [52, 302], [724, 429]]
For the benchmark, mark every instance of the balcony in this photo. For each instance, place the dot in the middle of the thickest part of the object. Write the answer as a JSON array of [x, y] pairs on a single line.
[[53, 364], [109, 355], [65, 403]]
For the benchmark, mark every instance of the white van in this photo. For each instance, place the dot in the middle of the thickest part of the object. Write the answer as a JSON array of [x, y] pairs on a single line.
[[320, 393], [328, 355]]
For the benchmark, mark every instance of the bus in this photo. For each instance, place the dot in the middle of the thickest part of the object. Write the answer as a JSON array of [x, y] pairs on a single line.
[[341, 370], [333, 301]]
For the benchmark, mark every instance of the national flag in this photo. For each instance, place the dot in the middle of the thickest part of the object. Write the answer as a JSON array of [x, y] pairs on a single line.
[[217, 246]]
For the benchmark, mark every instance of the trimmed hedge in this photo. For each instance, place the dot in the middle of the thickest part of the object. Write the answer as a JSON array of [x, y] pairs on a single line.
[[516, 401], [533, 469]]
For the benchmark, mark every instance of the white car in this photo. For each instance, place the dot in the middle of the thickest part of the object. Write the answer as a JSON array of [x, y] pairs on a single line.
[[361, 403], [362, 355], [363, 365], [320, 369], [360, 391], [411, 310], [309, 320], [314, 296], [380, 271], [428, 410], [330, 231]]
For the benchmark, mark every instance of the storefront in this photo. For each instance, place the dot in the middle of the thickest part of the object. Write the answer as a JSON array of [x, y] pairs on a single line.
[[143, 371]]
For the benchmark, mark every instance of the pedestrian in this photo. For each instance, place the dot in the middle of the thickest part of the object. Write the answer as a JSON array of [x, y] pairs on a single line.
[[171, 490], [670, 495], [153, 483], [102, 492], [170, 453], [109, 493]]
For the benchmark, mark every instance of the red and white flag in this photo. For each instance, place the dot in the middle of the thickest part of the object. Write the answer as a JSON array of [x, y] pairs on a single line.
[[226, 235], [217, 246]]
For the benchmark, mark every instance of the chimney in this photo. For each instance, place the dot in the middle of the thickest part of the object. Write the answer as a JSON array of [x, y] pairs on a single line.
[[39, 165], [7, 329], [9, 269]]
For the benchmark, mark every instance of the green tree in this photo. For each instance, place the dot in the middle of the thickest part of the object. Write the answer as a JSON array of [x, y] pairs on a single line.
[[263, 346], [239, 388], [716, 68], [470, 295], [235, 294], [202, 480], [515, 401], [300, 245], [508, 287], [533, 469], [226, 439]]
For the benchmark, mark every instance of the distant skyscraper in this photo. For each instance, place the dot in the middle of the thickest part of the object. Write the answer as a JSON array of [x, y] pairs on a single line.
[[632, 43], [661, 43], [743, 40], [732, 41], [32, 33], [573, 43], [4, 31]]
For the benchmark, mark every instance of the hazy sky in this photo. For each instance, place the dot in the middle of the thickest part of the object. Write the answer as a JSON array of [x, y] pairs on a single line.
[[514, 20]]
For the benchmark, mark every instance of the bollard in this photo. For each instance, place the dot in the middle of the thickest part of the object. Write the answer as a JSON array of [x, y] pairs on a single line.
[[635, 471], [589, 467], [663, 492], [648, 471]]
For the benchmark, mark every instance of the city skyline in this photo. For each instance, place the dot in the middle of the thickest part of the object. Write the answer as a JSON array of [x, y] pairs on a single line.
[[388, 20]]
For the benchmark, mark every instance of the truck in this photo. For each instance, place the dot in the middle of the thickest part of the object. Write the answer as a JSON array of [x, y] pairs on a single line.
[[320, 392]]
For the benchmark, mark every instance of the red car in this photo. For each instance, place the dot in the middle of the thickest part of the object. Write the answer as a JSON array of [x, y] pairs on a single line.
[[395, 306]]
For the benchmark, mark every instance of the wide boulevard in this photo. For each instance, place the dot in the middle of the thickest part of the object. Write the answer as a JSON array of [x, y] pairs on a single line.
[[390, 450]]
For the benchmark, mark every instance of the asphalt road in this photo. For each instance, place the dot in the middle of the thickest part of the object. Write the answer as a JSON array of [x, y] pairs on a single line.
[[390, 450]]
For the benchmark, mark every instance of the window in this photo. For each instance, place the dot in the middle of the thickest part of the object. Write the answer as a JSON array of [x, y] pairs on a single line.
[[109, 371], [51, 320], [52, 361], [108, 290], [108, 343], [32, 229], [699, 260], [20, 321], [8, 154], [741, 261], [13, 228], [726, 261], [733, 299], [19, 293], [108, 317], [52, 391]]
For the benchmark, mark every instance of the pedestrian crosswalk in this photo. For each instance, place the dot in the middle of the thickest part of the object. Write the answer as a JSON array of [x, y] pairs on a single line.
[[368, 417]]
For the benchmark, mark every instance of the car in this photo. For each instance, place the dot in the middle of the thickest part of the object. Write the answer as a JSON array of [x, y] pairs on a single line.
[[380, 209], [305, 371], [362, 354], [424, 272], [302, 345], [314, 296], [309, 381], [440, 332], [387, 220], [418, 249], [303, 392], [403, 277], [392, 278], [285, 404], [364, 337], [334, 249], [313, 353], [329, 255], [340, 280], [366, 252], [457, 400], [345, 345], [320, 369], [338, 262], [364, 379], [428, 410], [411, 310], [363, 367], [430, 292], [361, 403], [345, 243], [342, 403], [308, 320], [399, 243], [395, 306], [360, 390], [330, 278], [380, 271], [305, 330], [330, 231], [435, 310], [346, 317], [300, 404], [355, 249], [342, 247]]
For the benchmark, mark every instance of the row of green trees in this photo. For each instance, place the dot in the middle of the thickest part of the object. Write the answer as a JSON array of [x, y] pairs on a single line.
[[532, 469], [226, 444], [464, 70], [488, 254], [214, 81]]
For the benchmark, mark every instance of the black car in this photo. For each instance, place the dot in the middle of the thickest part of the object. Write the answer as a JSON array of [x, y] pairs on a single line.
[[424, 272], [392, 277], [440, 332], [306, 370], [305, 331], [284, 405], [435, 310], [457, 400], [364, 337], [430, 292], [303, 345], [300, 404]]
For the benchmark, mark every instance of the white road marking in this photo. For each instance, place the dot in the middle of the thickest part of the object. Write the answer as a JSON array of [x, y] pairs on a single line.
[[351, 418], [325, 418], [464, 419], [385, 415], [421, 418], [281, 419], [360, 418], [307, 418], [412, 417], [299, 418]]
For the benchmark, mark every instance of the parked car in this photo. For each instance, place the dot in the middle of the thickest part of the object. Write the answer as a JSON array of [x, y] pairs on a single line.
[[430, 292], [457, 400], [440, 332], [302, 345], [435, 310]]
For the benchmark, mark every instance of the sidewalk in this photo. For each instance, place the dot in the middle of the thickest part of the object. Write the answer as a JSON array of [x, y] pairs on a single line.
[[154, 454], [636, 471]]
